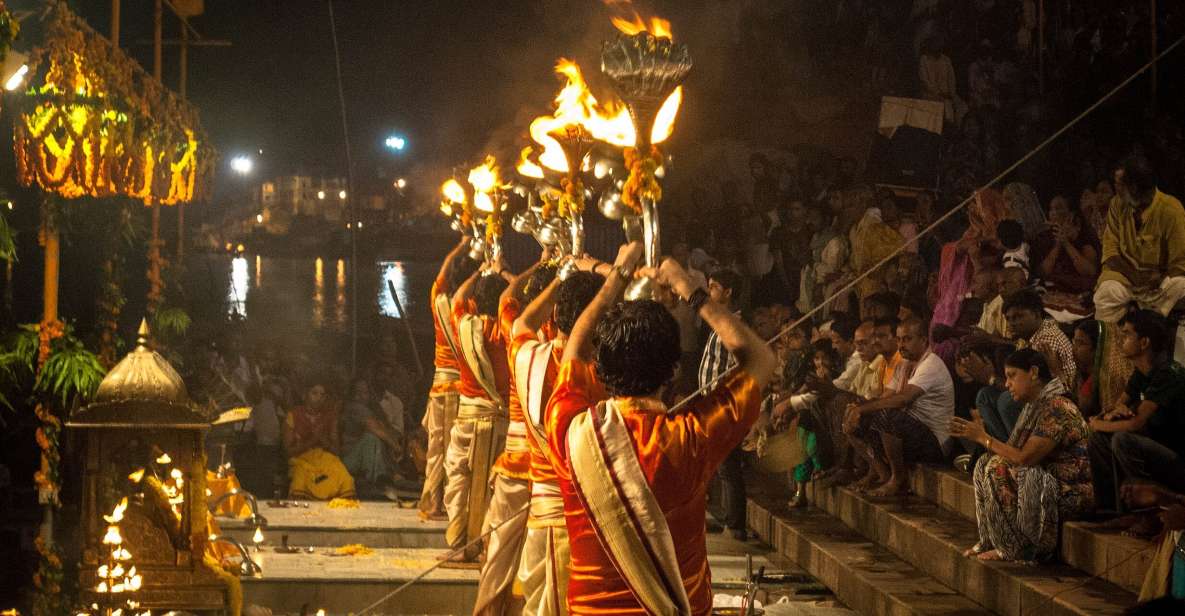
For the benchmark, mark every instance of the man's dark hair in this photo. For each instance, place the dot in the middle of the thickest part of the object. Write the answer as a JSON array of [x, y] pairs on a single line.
[[844, 327], [537, 281], [486, 292], [463, 267], [637, 348], [573, 296], [888, 300], [727, 278], [1150, 325], [1010, 233], [891, 322], [1027, 299], [1090, 327], [917, 305], [918, 325], [1139, 174], [1026, 359]]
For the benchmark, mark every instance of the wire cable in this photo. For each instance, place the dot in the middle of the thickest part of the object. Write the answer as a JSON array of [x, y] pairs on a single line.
[[351, 197]]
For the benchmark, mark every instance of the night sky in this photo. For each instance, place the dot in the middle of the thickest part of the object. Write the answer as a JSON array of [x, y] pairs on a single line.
[[452, 76]]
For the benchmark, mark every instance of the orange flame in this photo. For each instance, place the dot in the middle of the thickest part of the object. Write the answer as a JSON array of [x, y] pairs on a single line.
[[484, 177], [117, 514], [527, 167], [453, 191], [664, 122], [575, 105], [658, 27]]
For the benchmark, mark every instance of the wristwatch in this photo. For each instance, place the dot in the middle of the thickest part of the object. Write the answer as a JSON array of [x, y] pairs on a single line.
[[697, 299]]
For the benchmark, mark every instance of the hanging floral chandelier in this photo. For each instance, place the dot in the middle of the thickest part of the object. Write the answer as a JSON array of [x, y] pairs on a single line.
[[95, 124]]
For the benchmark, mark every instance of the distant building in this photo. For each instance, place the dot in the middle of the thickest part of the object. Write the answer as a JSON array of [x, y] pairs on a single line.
[[302, 195]]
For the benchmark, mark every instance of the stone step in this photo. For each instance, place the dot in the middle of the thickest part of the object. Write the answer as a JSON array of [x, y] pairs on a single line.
[[863, 575], [1084, 545], [373, 524], [345, 584], [933, 539]]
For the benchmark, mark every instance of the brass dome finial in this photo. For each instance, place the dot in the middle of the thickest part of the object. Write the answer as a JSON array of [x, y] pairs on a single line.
[[142, 334]]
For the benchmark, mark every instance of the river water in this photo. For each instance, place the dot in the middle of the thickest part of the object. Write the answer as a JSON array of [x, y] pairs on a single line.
[[297, 299]]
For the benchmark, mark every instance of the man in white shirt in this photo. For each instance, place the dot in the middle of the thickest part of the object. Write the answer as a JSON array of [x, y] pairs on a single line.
[[907, 427]]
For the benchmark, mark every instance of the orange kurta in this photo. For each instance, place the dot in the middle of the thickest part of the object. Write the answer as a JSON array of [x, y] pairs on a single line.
[[515, 460], [678, 453], [444, 357], [495, 350], [542, 470]]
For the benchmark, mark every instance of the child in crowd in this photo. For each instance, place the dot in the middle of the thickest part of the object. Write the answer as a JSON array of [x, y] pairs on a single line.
[[1016, 250]]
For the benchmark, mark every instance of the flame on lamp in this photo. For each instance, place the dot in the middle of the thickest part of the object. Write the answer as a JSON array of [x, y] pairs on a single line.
[[164, 459], [258, 537], [137, 475], [117, 514], [576, 105], [664, 122], [453, 191], [527, 167], [657, 26], [484, 177]]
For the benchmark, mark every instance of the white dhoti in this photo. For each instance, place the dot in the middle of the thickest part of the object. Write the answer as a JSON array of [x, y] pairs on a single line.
[[504, 546], [475, 441], [543, 570], [438, 422], [1112, 298]]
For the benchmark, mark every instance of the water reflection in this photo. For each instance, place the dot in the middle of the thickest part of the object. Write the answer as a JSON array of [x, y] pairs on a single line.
[[319, 293], [258, 271], [236, 299], [339, 299], [391, 273]]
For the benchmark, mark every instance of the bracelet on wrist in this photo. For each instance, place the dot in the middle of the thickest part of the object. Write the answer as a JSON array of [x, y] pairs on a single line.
[[697, 299]]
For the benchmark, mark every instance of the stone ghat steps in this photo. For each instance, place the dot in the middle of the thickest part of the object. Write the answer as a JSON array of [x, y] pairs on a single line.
[[864, 576], [932, 539], [1105, 553], [373, 524], [346, 584]]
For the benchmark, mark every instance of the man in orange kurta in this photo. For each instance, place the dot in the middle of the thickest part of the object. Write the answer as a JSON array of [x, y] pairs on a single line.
[[444, 396], [479, 432], [511, 471], [536, 348], [634, 474]]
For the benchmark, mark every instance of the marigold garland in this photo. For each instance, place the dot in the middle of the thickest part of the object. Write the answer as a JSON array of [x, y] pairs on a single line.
[[641, 184], [572, 200], [100, 126]]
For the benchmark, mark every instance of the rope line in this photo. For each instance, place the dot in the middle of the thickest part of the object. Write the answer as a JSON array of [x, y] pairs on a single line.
[[941, 219], [449, 556]]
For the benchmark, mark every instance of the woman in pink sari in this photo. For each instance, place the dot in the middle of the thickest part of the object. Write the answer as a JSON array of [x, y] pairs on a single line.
[[960, 259]]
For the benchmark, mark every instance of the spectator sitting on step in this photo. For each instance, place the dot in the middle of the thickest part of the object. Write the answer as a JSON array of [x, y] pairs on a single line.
[[909, 426], [1031, 328], [1086, 342], [981, 361], [1011, 280], [1036, 479], [311, 440], [1143, 246], [1016, 249], [1143, 435]]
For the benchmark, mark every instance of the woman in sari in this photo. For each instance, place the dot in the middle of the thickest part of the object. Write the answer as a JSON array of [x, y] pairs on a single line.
[[1040, 477], [311, 439], [962, 258], [1024, 206]]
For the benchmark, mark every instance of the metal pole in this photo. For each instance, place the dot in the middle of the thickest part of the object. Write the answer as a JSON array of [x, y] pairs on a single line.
[[353, 222], [1152, 52], [183, 90], [115, 23], [154, 245], [415, 351], [1041, 45], [157, 15]]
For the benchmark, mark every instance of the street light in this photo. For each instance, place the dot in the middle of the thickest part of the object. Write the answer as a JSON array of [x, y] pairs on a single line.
[[242, 165], [259, 218], [341, 195], [321, 195], [396, 143], [15, 69], [401, 183]]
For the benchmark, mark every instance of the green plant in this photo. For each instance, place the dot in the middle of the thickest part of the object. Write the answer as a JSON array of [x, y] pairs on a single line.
[[72, 372], [170, 323]]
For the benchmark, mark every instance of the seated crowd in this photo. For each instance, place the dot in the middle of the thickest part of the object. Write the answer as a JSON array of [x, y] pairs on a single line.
[[1040, 362]]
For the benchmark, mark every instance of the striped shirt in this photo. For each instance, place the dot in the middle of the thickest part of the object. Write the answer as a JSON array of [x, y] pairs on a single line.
[[715, 362]]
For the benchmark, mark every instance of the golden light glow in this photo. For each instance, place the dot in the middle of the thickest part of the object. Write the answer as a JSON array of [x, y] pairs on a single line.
[[446, 208], [576, 105], [484, 177], [483, 203], [117, 514], [258, 537], [664, 122], [527, 167], [137, 475], [164, 457], [453, 191], [659, 27]]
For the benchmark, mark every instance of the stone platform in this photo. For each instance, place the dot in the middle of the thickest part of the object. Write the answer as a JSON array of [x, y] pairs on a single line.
[[373, 524]]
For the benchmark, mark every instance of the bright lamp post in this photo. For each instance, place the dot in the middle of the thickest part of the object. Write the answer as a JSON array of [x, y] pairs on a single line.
[[242, 165]]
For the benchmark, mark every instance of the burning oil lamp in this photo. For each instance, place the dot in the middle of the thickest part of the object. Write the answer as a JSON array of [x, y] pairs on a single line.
[[647, 68]]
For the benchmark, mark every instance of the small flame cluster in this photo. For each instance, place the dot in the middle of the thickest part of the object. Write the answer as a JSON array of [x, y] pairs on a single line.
[[578, 119], [117, 576]]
